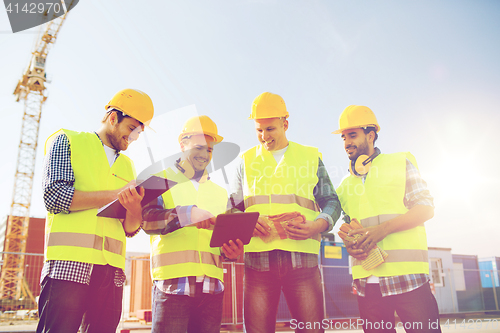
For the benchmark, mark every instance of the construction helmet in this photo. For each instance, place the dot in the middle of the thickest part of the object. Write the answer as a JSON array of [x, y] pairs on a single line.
[[200, 125], [357, 116], [268, 105], [133, 103]]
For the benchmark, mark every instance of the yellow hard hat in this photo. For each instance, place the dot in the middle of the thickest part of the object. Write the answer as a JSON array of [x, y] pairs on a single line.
[[200, 125], [268, 105], [357, 116], [133, 103]]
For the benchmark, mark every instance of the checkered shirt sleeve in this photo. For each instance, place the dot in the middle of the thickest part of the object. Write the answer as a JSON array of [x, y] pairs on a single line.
[[58, 176], [416, 192]]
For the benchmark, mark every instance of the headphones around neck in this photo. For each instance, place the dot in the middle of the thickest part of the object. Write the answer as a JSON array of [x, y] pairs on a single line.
[[362, 164], [187, 169]]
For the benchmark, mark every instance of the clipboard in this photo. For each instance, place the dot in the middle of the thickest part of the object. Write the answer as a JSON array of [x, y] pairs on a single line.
[[233, 226], [154, 186]]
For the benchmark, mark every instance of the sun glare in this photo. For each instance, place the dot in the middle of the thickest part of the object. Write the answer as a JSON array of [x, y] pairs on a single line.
[[455, 181]]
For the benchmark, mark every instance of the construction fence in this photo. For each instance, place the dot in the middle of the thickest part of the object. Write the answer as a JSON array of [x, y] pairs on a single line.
[[457, 292]]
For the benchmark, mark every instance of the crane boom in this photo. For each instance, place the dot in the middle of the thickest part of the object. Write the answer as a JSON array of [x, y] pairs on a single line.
[[31, 88]]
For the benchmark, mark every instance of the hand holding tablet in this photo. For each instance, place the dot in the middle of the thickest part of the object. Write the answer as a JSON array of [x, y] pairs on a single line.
[[232, 250]]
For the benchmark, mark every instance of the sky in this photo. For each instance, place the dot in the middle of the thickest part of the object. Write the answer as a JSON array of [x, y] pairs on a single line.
[[429, 70]]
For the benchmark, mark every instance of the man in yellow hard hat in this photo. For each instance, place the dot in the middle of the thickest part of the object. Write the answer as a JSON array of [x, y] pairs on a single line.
[[82, 278], [187, 273], [386, 194], [289, 186]]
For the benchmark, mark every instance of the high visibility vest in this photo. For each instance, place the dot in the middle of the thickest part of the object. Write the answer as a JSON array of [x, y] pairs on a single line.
[[271, 188], [380, 199], [187, 251], [81, 235]]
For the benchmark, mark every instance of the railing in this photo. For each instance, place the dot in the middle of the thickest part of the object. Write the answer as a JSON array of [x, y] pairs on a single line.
[[460, 291], [33, 263]]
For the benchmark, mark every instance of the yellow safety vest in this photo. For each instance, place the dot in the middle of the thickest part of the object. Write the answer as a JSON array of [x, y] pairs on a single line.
[[271, 188], [380, 199], [187, 251], [81, 235]]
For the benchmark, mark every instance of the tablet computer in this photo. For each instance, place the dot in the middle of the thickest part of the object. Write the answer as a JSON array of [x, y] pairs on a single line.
[[154, 187], [233, 226]]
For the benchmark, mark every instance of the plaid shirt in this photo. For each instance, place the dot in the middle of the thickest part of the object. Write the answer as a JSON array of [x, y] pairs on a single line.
[[416, 193], [325, 197], [259, 261], [160, 221], [58, 191], [187, 286]]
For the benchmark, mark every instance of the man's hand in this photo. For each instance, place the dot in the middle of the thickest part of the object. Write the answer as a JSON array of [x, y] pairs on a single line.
[[261, 228], [131, 199], [203, 218], [307, 229], [354, 251], [370, 236], [130, 184], [233, 250]]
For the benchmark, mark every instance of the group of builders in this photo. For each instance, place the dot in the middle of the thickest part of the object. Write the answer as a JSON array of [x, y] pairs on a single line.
[[383, 200]]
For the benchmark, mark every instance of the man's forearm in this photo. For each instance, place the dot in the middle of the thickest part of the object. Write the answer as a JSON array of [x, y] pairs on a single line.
[[131, 223], [322, 225], [415, 217], [326, 198], [87, 200]]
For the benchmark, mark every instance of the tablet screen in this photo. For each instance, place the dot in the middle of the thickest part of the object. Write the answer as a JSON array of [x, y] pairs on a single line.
[[232, 227]]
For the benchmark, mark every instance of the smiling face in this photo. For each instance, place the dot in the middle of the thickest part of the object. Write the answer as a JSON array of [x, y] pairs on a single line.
[[356, 142], [198, 151], [121, 134], [271, 133]]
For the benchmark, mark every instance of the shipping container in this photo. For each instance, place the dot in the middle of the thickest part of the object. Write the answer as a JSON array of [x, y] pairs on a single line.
[[490, 277], [467, 283], [340, 300]]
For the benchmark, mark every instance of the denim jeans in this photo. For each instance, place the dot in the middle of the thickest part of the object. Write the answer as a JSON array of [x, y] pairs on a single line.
[[417, 309], [64, 305], [181, 313], [301, 287]]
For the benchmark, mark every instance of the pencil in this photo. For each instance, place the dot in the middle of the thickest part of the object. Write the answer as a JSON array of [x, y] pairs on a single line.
[[120, 178]]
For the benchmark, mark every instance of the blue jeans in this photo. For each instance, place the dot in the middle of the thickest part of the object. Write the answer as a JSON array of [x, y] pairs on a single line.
[[302, 290], [64, 305], [180, 313], [417, 309]]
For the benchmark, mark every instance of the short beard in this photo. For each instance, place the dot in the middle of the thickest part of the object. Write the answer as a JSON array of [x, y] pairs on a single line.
[[111, 139], [363, 149]]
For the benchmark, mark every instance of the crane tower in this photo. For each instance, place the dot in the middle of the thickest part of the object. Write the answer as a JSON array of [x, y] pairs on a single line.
[[31, 89]]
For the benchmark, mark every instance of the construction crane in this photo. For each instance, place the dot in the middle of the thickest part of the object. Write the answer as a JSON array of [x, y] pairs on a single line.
[[31, 89]]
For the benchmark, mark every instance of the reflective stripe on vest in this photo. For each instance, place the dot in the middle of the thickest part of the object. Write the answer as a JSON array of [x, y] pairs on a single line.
[[272, 188], [80, 235], [188, 256], [187, 251], [84, 240], [396, 256], [282, 199], [379, 199]]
